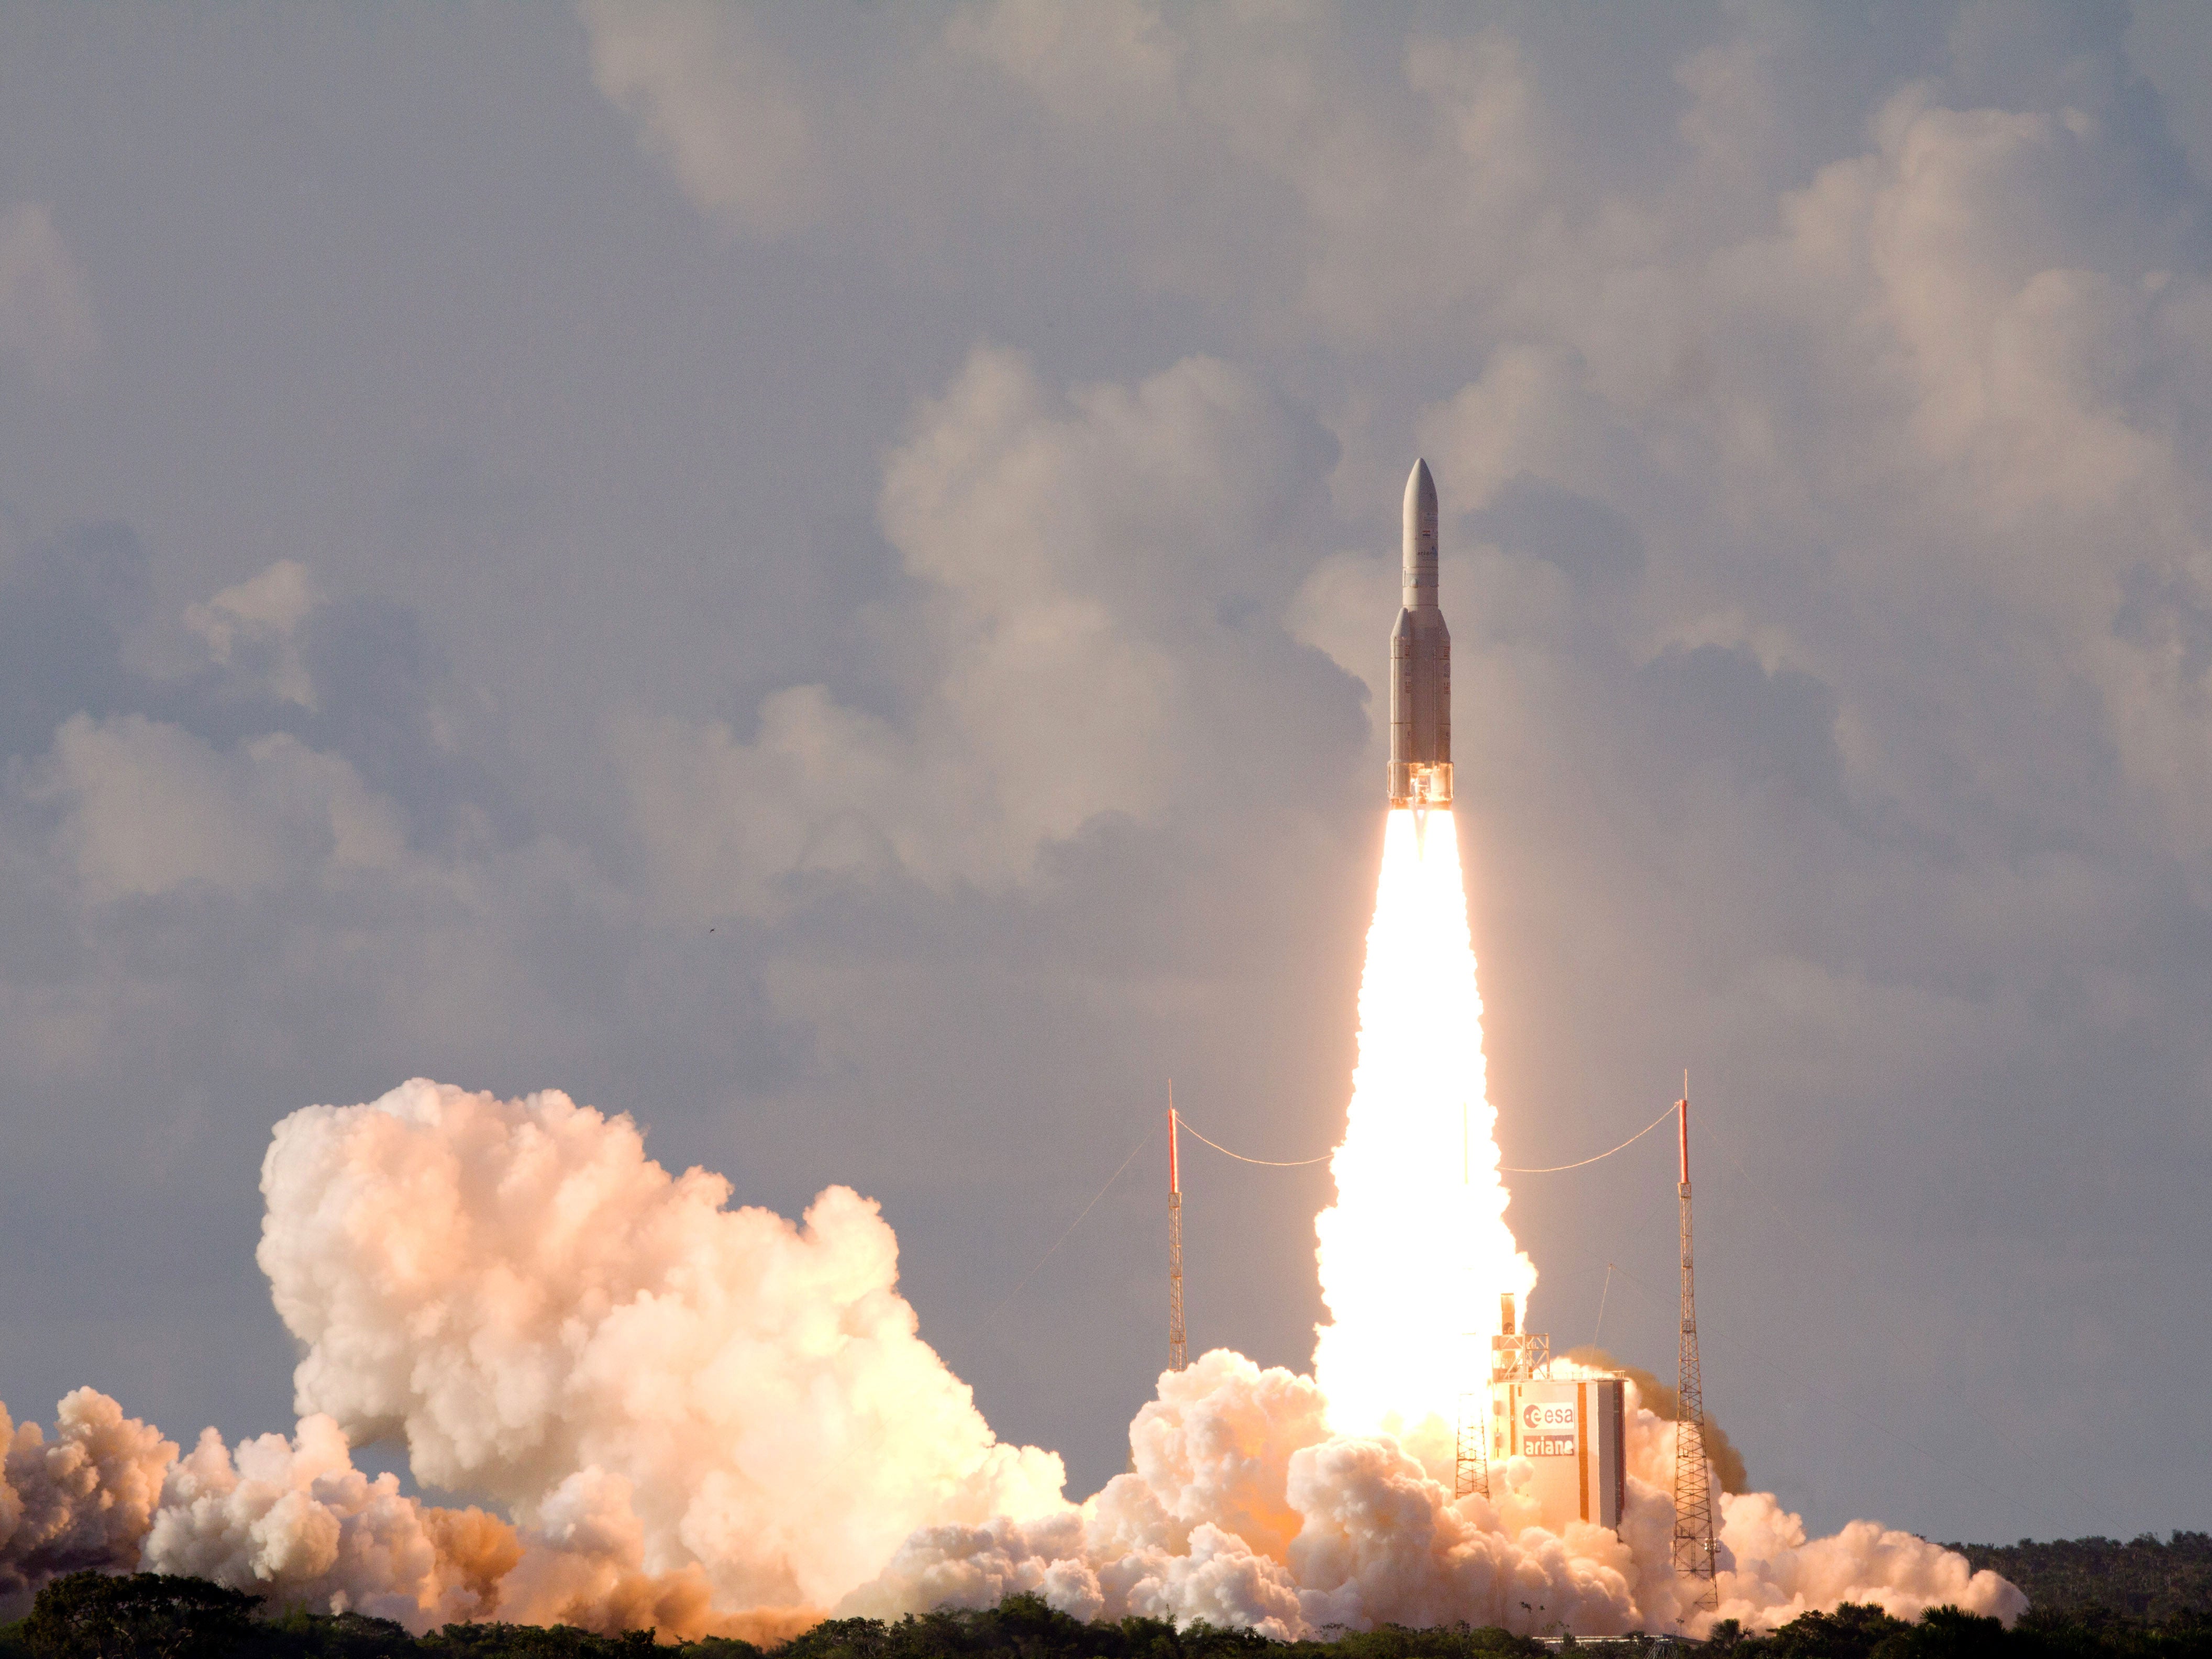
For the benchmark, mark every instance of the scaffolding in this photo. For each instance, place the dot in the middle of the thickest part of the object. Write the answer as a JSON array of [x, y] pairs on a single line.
[[1515, 1356], [1474, 1462], [1693, 1496]]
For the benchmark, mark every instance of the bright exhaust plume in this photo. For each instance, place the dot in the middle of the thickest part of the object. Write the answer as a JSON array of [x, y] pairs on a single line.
[[1415, 1252]]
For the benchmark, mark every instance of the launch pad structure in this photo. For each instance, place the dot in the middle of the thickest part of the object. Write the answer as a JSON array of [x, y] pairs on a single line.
[[1523, 1411], [1571, 1432], [1693, 1496], [1178, 1344]]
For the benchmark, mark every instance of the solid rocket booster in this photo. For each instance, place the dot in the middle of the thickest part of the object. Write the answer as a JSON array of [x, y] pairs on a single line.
[[1421, 663]]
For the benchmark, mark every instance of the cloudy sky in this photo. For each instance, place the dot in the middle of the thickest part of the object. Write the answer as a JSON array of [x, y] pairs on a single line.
[[816, 576]]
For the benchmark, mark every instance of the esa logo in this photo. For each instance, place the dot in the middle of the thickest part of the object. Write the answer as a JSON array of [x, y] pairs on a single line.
[[1542, 1415]]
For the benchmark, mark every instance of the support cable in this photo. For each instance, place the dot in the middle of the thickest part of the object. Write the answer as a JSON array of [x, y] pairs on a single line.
[[1557, 1168], [1077, 1222], [1265, 1163], [1554, 1169]]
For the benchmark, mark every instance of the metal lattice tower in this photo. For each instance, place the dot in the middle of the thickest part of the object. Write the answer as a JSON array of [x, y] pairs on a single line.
[[1473, 1466], [1693, 1495], [1178, 1347]]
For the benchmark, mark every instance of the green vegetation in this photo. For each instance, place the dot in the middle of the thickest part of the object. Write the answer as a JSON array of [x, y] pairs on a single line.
[[2146, 1578], [93, 1616]]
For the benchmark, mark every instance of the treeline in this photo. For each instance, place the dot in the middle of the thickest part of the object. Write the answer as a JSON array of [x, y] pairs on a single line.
[[2145, 1578], [152, 1616]]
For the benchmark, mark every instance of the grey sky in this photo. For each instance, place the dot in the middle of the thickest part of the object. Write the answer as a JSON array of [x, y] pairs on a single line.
[[489, 495]]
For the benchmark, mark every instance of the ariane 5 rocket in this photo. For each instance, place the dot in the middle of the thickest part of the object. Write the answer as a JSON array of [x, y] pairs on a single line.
[[1421, 663]]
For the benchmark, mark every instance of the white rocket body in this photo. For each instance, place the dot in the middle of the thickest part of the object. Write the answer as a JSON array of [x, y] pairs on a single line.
[[1421, 663]]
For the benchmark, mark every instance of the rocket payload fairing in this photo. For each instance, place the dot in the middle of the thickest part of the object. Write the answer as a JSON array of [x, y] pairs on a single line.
[[1421, 663]]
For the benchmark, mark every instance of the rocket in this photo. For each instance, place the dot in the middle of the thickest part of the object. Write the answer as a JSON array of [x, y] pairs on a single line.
[[1421, 663]]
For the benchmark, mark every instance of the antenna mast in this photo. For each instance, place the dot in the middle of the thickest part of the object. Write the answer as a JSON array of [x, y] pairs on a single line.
[[1178, 1348], [1471, 1471], [1693, 1496]]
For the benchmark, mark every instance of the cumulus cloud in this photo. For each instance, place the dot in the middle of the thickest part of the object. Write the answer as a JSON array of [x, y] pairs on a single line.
[[1968, 358], [1952, 365], [255, 625], [1260, 158], [1961, 357], [1062, 548], [717, 103], [45, 307], [145, 808]]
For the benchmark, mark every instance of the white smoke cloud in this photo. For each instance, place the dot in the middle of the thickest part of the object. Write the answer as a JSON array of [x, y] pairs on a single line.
[[699, 1418], [711, 1421], [295, 1519], [1244, 1509], [83, 1499], [518, 1291]]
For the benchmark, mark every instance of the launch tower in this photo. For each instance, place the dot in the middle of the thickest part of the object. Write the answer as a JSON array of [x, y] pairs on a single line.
[[1693, 1496], [1560, 1440], [1178, 1346]]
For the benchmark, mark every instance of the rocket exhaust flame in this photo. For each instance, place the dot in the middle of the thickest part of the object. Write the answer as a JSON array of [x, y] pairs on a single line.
[[1289, 1505], [1415, 1252]]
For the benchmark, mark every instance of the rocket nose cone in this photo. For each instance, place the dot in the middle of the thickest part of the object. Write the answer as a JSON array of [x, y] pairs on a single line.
[[1420, 493], [1421, 527]]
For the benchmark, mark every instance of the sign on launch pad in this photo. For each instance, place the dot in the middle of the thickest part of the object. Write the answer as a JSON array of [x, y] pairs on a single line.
[[1548, 1428]]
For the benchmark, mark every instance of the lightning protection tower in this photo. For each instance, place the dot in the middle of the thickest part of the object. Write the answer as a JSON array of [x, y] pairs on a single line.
[[1471, 1467], [1178, 1347], [1693, 1496]]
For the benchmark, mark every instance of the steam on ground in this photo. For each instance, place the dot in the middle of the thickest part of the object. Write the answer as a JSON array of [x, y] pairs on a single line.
[[708, 1419]]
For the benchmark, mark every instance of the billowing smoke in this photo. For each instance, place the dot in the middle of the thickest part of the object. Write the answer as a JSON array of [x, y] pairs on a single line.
[[1245, 1508], [708, 1419], [1288, 1504], [1729, 1471], [519, 1292], [690, 1412], [83, 1499], [294, 1520]]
